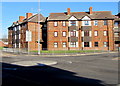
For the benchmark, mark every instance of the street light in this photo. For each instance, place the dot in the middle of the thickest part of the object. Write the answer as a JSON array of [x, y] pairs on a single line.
[[38, 27]]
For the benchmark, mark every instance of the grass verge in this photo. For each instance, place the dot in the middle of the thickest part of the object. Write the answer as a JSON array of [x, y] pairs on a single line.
[[68, 51]]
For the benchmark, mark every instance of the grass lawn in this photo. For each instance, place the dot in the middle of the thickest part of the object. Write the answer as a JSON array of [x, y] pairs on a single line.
[[68, 51], [1, 48]]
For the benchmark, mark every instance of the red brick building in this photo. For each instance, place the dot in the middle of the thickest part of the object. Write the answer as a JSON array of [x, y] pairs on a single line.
[[18, 31], [91, 30]]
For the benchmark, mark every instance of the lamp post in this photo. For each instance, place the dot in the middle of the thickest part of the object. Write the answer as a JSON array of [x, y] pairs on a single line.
[[38, 27]]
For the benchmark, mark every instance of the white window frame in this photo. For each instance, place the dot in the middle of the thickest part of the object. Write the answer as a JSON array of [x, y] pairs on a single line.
[[86, 23], [64, 33], [96, 22], [95, 33], [71, 23], [105, 44], [55, 34], [72, 33], [64, 44], [64, 23], [55, 44], [72, 44], [104, 33], [55, 23]]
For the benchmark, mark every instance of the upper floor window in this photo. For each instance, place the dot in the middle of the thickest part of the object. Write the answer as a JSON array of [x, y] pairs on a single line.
[[105, 22], [95, 33], [95, 22], [55, 23], [105, 33], [63, 23], [86, 33], [55, 33], [64, 33], [73, 23], [86, 22], [73, 33]]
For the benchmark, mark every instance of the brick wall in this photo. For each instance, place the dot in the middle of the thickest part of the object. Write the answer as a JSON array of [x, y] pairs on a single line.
[[100, 38]]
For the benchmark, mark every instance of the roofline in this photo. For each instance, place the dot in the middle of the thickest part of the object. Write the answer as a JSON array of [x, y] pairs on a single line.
[[80, 12]]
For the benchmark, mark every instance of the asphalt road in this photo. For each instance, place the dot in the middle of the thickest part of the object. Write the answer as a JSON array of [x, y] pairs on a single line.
[[90, 70]]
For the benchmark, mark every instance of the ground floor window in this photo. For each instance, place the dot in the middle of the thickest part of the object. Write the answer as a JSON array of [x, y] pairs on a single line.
[[64, 44], [55, 44], [105, 44], [86, 44], [72, 44], [96, 44]]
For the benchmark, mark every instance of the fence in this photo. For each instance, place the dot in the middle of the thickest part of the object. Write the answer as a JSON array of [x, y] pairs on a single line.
[[51, 52]]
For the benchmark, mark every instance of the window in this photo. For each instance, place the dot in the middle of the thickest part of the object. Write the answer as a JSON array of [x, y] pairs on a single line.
[[105, 22], [95, 33], [86, 22], [72, 44], [73, 23], [86, 44], [64, 33], [55, 34], [116, 34], [105, 44], [64, 23], [55, 44], [105, 33], [64, 44], [95, 22], [86, 33], [73, 33], [96, 44], [55, 23]]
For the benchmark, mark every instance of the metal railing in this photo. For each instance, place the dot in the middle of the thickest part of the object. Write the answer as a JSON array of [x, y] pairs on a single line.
[[62, 51]]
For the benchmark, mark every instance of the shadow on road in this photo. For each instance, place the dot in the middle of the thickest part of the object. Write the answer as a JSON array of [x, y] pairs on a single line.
[[15, 75]]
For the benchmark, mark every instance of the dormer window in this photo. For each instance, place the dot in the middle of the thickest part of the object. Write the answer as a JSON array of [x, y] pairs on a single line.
[[86, 22], [73, 23]]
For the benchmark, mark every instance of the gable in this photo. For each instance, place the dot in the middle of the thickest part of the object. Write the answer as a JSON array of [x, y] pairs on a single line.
[[72, 18], [86, 18]]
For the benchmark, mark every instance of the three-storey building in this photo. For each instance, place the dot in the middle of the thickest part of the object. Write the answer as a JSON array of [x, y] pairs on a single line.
[[80, 30]]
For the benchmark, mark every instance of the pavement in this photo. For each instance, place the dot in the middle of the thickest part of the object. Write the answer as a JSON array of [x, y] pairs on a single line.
[[34, 63]]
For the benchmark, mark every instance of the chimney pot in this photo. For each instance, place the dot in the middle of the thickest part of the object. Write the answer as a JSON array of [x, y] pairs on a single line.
[[90, 10], [21, 18], [28, 15], [68, 11]]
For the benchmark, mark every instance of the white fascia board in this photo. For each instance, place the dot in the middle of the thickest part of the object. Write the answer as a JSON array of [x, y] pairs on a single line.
[[85, 18], [72, 18]]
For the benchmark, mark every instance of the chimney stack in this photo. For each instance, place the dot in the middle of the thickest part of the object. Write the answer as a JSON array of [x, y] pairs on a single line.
[[21, 18], [28, 15], [68, 11], [90, 10]]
